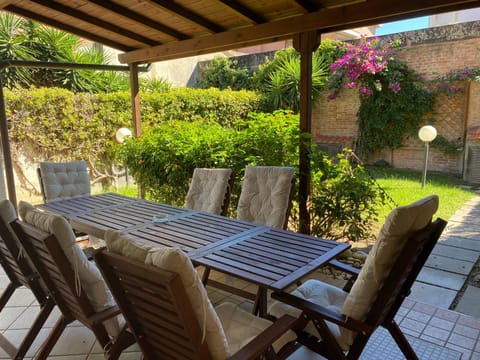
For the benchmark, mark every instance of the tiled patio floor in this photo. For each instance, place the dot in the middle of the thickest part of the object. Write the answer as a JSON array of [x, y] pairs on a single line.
[[435, 333]]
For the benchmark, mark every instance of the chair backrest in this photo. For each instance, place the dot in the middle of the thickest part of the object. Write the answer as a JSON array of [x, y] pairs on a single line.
[[55, 270], [162, 299], [63, 180], [156, 307], [266, 195], [399, 226], [74, 282], [397, 285], [210, 190], [16, 265]]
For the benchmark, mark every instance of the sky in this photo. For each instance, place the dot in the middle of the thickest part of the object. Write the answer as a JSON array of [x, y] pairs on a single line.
[[403, 25]]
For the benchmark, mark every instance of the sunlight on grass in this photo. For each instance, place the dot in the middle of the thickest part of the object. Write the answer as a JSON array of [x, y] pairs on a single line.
[[404, 187], [131, 190]]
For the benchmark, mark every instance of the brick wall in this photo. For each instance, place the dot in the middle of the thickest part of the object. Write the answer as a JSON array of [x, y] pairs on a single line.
[[431, 52]]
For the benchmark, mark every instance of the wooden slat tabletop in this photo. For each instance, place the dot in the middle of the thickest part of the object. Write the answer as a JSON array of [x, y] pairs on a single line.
[[273, 258], [269, 257], [85, 204]]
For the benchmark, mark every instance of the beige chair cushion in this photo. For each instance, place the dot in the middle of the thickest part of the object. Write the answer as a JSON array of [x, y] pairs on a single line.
[[7, 215], [64, 180], [265, 195], [208, 189], [399, 225], [173, 259], [322, 294], [241, 327], [91, 279], [228, 328]]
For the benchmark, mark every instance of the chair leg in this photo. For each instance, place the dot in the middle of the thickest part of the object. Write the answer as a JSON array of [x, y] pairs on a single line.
[[101, 335], [401, 341], [260, 303], [7, 293], [206, 274], [334, 352], [35, 328], [114, 349], [52, 339]]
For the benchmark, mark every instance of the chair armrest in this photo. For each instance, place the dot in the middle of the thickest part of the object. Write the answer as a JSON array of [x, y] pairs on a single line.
[[265, 339], [103, 315], [311, 310], [344, 267], [353, 271]]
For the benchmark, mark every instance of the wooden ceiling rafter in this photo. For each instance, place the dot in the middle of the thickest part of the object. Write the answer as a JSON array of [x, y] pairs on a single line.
[[95, 21], [244, 11], [325, 20], [307, 6], [69, 28], [191, 16], [134, 16]]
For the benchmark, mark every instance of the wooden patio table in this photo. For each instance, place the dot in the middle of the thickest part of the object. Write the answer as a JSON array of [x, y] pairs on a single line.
[[271, 258]]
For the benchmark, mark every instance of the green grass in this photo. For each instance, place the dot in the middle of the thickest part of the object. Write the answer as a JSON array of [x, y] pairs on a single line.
[[130, 190], [404, 187]]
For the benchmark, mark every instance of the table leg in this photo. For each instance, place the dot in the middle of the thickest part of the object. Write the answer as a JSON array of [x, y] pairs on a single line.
[[260, 304]]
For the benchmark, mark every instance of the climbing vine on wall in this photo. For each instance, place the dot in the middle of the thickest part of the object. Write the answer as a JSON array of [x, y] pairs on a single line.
[[395, 100]]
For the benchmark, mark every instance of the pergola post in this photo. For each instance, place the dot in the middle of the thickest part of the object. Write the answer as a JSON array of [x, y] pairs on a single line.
[[305, 43], [7, 156], [135, 97]]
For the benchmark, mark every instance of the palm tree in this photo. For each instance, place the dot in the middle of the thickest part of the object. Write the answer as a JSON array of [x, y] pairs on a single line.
[[15, 45]]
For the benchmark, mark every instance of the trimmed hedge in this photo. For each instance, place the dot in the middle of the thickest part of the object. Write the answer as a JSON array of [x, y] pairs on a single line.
[[56, 124]]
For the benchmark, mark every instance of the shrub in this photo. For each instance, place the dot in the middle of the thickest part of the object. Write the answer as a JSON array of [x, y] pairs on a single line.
[[344, 198], [162, 161], [225, 73]]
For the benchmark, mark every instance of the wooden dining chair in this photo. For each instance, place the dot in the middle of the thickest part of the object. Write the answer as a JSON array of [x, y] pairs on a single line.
[[167, 308], [74, 283], [337, 323], [20, 273], [266, 199], [63, 180], [210, 190]]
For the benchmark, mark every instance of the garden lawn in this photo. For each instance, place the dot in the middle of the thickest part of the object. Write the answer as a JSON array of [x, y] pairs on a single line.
[[404, 187]]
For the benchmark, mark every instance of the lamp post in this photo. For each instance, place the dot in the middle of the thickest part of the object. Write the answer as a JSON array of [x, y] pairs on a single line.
[[121, 135], [427, 134]]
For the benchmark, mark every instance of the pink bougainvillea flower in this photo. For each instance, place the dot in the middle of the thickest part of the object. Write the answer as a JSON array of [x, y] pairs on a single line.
[[366, 91], [395, 87], [332, 96]]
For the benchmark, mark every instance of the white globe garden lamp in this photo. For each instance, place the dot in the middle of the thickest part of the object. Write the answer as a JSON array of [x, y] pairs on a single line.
[[122, 134], [427, 134]]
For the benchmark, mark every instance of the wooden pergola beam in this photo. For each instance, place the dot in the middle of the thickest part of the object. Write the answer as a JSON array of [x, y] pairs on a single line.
[[132, 15], [95, 21], [325, 20], [180, 11], [244, 11]]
